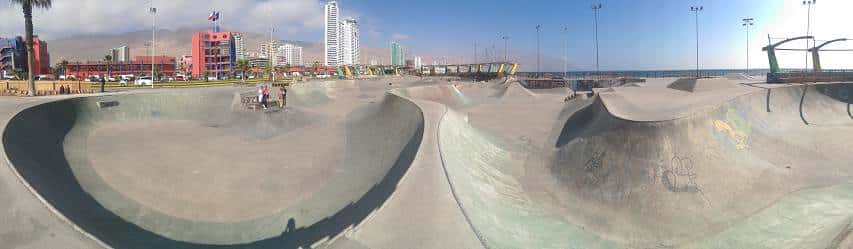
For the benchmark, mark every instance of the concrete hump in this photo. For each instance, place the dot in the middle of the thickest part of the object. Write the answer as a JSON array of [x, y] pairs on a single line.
[[747, 167], [515, 91], [448, 95]]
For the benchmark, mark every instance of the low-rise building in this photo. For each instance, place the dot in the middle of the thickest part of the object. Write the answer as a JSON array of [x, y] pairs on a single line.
[[141, 65], [13, 56]]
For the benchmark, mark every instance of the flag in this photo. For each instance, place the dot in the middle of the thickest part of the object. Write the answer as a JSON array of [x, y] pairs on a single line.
[[213, 16]]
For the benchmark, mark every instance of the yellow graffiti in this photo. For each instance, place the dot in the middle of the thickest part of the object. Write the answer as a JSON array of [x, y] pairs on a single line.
[[738, 137]]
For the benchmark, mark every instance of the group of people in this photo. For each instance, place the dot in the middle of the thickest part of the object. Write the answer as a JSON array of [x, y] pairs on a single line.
[[264, 96], [66, 89]]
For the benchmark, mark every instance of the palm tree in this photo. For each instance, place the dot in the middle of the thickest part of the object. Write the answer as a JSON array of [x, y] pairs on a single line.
[[108, 59], [243, 67], [27, 6]]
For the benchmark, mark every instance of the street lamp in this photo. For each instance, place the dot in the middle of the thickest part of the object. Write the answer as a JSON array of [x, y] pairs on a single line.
[[565, 50], [747, 22], [595, 8], [475, 53], [153, 12], [696, 10], [809, 4], [506, 47], [538, 59]]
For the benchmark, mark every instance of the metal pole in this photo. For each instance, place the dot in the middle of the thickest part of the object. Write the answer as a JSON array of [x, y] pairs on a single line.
[[808, 28], [475, 52], [153, 39], [696, 10], [597, 69], [565, 51], [747, 22], [538, 59], [506, 48]]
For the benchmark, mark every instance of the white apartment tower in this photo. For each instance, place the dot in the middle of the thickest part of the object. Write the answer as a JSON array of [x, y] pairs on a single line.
[[120, 54], [292, 54], [239, 46], [332, 34], [350, 51]]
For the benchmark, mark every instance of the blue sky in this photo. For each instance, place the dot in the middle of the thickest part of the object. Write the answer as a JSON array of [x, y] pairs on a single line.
[[634, 34]]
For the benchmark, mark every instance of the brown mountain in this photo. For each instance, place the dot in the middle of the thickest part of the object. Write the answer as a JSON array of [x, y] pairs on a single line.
[[173, 43]]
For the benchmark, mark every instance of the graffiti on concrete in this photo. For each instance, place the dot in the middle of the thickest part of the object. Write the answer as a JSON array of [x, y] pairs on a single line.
[[680, 177], [735, 129]]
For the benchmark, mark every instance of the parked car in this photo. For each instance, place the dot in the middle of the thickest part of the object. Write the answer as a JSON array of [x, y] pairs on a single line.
[[144, 81]]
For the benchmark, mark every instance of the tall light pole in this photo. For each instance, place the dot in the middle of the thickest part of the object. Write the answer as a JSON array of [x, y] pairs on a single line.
[[153, 12], [565, 50], [506, 47], [595, 8], [270, 54], [747, 22], [475, 52], [809, 4], [696, 10], [538, 56]]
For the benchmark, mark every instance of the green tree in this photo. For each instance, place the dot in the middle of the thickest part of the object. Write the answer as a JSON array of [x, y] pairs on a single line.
[[27, 6], [243, 67], [61, 68], [108, 59]]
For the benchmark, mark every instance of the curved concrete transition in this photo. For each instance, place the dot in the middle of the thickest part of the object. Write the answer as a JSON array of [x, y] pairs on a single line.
[[763, 168], [191, 169]]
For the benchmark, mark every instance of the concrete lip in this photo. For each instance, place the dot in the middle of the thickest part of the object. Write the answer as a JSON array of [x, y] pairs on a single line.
[[192, 170]]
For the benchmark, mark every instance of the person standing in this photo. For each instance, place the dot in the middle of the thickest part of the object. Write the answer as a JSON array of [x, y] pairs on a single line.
[[103, 82], [265, 93], [260, 94], [283, 97]]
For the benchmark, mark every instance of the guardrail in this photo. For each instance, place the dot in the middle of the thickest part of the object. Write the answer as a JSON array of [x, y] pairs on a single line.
[[19, 87]]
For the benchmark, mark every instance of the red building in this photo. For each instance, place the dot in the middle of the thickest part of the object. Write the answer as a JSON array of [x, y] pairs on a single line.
[[41, 64], [141, 65], [213, 53]]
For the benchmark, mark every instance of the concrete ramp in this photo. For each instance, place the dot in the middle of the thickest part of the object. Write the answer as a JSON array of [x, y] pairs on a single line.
[[764, 170], [177, 170]]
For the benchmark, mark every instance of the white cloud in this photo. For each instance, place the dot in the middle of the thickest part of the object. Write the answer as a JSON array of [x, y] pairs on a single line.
[[830, 19], [399, 37], [117, 16]]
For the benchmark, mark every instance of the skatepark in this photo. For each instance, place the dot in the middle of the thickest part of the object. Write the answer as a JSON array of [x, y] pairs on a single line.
[[407, 162]]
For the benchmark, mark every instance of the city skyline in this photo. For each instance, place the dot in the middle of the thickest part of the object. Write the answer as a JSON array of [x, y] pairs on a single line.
[[630, 38]]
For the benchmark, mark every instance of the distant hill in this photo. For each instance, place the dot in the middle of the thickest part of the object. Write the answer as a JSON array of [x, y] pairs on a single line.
[[171, 42]]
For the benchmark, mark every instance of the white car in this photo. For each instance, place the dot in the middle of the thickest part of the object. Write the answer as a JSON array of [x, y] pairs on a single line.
[[144, 81]]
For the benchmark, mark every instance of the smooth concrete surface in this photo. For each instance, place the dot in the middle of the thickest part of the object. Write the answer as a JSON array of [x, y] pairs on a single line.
[[405, 162]]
